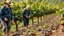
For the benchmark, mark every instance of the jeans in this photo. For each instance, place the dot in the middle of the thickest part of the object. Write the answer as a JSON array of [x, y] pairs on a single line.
[[26, 21], [6, 26]]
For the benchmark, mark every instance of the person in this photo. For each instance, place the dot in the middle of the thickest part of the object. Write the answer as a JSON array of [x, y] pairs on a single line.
[[62, 21], [6, 16], [26, 16]]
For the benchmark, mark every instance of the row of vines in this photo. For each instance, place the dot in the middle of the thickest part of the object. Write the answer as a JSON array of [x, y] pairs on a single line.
[[38, 9]]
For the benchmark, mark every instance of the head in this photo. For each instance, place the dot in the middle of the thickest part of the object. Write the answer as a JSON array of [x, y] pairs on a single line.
[[8, 3], [63, 15], [28, 7]]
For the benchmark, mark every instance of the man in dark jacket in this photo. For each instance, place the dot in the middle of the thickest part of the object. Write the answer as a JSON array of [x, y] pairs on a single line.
[[26, 16], [6, 16]]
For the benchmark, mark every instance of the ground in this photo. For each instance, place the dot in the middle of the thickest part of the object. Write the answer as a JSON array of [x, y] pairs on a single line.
[[47, 20]]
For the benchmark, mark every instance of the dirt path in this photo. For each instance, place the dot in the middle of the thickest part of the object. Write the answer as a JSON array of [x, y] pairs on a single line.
[[53, 19], [58, 32]]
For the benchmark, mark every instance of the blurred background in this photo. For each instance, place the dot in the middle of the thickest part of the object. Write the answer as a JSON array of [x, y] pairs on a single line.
[[44, 15]]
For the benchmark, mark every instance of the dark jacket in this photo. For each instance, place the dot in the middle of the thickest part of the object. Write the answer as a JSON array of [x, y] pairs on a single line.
[[26, 13], [6, 13]]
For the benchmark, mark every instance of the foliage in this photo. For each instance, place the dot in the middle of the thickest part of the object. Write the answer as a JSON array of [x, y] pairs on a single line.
[[37, 8]]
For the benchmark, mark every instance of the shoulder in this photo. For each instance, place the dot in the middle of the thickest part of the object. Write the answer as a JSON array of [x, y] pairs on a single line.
[[24, 9], [11, 9], [3, 7]]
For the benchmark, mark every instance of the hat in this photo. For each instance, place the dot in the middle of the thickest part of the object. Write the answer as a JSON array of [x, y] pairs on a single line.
[[27, 6], [8, 2]]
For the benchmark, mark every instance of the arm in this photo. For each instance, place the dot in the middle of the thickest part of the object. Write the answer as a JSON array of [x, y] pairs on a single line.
[[1, 13], [24, 13], [28, 14], [12, 17]]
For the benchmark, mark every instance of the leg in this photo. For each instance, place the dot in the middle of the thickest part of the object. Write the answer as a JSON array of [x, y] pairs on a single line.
[[4, 27], [25, 23], [8, 28], [5, 34]]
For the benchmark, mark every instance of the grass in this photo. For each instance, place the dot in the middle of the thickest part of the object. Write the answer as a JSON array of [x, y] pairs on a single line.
[[13, 27], [31, 28], [1, 31]]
